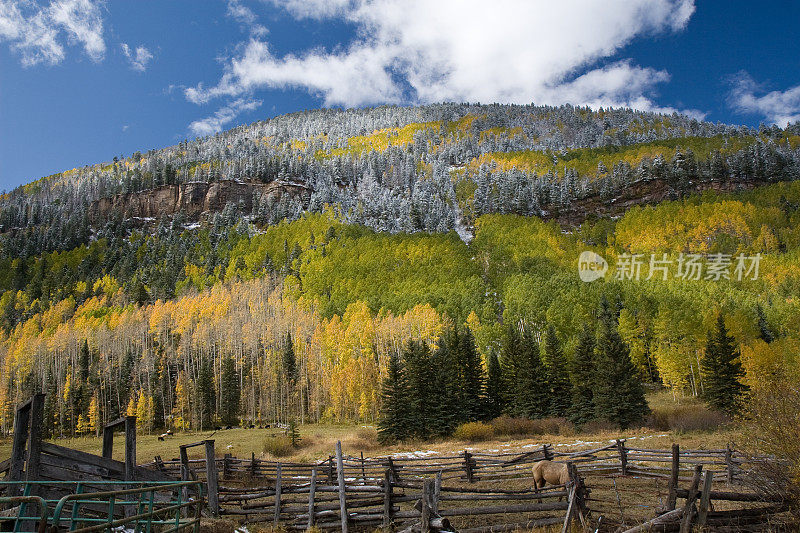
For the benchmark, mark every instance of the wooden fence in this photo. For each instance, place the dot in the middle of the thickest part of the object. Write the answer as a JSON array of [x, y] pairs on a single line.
[[423, 492]]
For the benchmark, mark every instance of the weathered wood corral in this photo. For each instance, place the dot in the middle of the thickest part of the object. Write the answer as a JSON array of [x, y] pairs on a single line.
[[78, 490]]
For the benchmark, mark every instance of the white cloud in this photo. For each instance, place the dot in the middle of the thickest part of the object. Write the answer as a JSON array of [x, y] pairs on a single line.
[[35, 31], [139, 58], [777, 107], [517, 51], [222, 117], [245, 16]]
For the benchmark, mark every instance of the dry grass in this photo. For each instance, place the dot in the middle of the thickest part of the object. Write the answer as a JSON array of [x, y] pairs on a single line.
[[683, 414], [509, 434]]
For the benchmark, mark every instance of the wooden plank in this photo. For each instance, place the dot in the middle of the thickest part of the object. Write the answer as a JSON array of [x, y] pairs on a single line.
[[387, 499], [688, 509], [130, 448], [211, 478], [705, 499], [673, 480], [312, 489], [115, 467], [277, 497], [425, 510], [666, 518], [342, 487], [21, 421]]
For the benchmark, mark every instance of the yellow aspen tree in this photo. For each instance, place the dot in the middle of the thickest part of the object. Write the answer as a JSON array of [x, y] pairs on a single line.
[[131, 410], [181, 409], [94, 416], [83, 425], [141, 411]]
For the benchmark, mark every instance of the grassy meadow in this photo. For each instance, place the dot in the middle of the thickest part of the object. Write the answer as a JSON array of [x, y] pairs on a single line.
[[680, 419]]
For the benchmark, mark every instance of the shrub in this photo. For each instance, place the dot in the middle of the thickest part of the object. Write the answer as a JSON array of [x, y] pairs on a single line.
[[687, 417], [474, 432], [772, 427], [507, 426], [279, 446], [366, 438]]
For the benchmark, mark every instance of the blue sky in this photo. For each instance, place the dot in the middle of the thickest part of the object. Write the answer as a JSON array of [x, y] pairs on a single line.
[[84, 80]]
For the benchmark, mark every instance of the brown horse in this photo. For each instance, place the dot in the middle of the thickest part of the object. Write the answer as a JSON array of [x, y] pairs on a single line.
[[549, 472]]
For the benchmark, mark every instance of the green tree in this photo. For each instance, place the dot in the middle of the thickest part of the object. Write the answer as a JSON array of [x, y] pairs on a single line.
[[206, 396], [471, 378], [395, 417], [525, 386], [422, 391], [557, 376], [581, 373], [229, 393], [619, 393], [722, 371], [289, 360], [764, 330], [494, 386]]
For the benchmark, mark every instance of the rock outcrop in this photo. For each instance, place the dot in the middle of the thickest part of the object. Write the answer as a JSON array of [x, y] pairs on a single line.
[[644, 192], [194, 199]]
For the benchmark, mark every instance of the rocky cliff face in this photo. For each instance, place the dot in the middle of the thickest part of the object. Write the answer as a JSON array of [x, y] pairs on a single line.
[[649, 192], [194, 199]]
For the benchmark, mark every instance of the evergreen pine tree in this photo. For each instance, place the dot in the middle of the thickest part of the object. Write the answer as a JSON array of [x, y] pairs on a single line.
[[619, 394], [229, 394], [471, 377], [764, 331], [206, 396], [494, 387], [512, 368], [533, 393], [722, 371], [557, 376], [582, 376], [446, 410], [422, 392], [394, 420], [289, 360], [293, 432]]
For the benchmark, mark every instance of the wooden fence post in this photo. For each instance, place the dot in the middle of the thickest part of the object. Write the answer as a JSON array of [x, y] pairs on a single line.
[[277, 519], [705, 499], [425, 519], [211, 478], [330, 470], [312, 489], [729, 462], [437, 492], [468, 466], [363, 472], [226, 466], [108, 442], [393, 470], [342, 494], [387, 498], [691, 498], [21, 420], [672, 496], [570, 507], [130, 448], [253, 464], [35, 440], [623, 457]]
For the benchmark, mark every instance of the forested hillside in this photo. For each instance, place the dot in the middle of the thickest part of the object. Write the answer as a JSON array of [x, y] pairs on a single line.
[[417, 222]]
